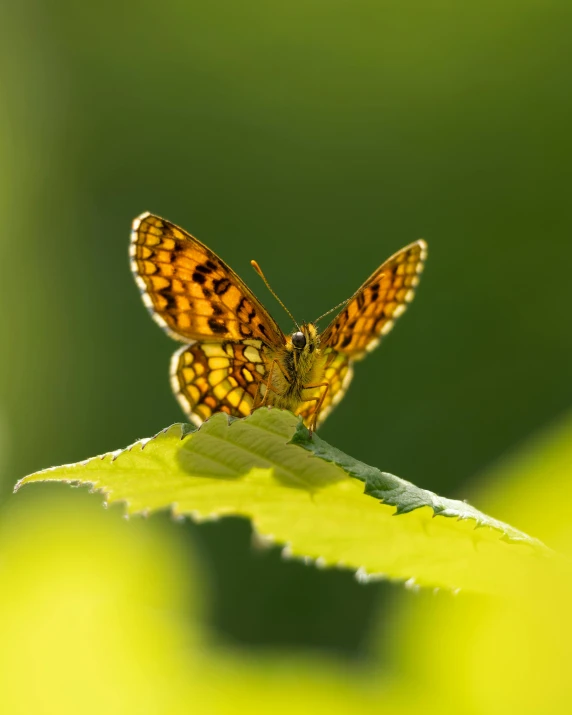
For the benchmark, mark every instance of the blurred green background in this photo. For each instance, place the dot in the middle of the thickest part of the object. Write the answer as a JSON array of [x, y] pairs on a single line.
[[318, 138]]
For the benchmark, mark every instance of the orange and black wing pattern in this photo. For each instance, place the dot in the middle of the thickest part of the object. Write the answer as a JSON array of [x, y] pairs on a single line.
[[199, 300], [190, 291], [209, 377], [231, 341], [371, 312]]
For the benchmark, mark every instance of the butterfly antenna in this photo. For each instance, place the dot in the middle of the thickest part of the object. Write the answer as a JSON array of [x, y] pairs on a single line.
[[258, 269], [339, 305]]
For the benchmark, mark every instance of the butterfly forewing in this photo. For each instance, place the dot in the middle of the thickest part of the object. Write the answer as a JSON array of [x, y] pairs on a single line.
[[190, 291], [373, 309]]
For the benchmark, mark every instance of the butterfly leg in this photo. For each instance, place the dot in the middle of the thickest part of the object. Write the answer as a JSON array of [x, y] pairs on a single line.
[[319, 402], [268, 382]]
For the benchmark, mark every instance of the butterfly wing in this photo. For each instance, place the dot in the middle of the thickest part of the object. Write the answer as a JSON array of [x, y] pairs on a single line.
[[193, 295], [190, 291], [212, 377], [371, 312], [368, 316]]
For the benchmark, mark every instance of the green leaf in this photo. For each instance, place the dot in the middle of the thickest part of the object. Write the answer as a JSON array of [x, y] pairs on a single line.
[[402, 494], [317, 502]]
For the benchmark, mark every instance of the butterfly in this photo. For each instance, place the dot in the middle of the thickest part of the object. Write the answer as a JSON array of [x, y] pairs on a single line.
[[234, 357]]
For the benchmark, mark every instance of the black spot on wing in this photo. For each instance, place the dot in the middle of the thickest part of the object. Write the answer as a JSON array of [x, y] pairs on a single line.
[[239, 307], [221, 285], [170, 302], [217, 326]]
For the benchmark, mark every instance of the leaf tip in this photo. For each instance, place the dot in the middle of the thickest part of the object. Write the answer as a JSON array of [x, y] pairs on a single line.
[[301, 434], [262, 542], [286, 552], [176, 515], [412, 585], [187, 428]]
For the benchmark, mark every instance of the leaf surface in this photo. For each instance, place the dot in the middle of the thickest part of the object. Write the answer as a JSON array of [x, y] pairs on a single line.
[[315, 501]]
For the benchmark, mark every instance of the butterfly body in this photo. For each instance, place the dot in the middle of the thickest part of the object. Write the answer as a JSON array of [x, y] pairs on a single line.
[[235, 358], [296, 372]]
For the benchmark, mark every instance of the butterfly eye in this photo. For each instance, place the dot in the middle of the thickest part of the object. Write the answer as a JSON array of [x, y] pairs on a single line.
[[299, 340]]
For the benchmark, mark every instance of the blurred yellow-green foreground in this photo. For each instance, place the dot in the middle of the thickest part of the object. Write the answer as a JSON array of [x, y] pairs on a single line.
[[318, 137]]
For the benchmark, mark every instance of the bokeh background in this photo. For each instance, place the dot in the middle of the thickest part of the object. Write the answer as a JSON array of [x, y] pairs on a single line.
[[317, 137]]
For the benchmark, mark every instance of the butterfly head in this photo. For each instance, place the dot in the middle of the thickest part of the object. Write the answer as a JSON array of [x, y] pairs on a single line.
[[305, 340]]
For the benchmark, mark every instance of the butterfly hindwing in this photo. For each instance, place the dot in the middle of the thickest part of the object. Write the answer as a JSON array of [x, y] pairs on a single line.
[[190, 291], [225, 376], [373, 309]]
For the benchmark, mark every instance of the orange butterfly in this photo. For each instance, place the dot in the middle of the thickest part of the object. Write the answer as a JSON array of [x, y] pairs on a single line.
[[235, 358]]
